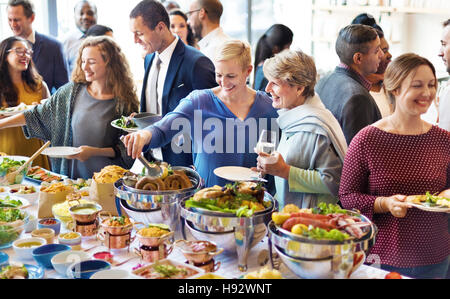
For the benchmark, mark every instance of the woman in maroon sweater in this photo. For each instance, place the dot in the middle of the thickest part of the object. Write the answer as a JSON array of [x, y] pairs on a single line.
[[397, 156]]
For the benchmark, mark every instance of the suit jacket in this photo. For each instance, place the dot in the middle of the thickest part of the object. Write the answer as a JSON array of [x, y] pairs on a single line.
[[343, 93], [188, 70], [48, 56]]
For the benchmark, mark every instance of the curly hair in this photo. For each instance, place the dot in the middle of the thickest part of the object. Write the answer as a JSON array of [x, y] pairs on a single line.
[[31, 77], [118, 75]]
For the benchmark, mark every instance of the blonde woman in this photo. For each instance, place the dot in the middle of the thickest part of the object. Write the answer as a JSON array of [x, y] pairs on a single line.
[[397, 156], [80, 113], [308, 162], [224, 122]]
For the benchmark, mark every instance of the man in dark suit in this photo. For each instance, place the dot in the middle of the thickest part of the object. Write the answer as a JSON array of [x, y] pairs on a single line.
[[345, 92], [47, 52], [172, 69]]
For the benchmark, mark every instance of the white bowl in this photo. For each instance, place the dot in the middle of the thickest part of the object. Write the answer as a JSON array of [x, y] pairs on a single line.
[[113, 274], [63, 260], [31, 225], [70, 242], [25, 253], [31, 198]]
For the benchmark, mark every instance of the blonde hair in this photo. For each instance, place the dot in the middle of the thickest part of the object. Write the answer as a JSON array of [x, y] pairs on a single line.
[[400, 69], [293, 67], [118, 74], [235, 49]]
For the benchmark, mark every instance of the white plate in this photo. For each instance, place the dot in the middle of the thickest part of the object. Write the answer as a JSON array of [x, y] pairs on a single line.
[[61, 151], [236, 173], [128, 130], [438, 209]]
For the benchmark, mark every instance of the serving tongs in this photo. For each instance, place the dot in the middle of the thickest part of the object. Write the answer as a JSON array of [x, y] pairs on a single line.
[[11, 176], [153, 169]]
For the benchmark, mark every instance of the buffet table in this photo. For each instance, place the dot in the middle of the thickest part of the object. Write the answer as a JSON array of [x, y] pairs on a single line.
[[228, 261]]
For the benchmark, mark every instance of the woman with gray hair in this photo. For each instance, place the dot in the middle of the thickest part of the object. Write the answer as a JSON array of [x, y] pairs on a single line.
[[308, 162]]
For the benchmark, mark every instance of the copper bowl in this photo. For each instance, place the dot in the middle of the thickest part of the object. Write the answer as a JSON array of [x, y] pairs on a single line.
[[115, 230], [201, 256], [153, 241], [82, 217]]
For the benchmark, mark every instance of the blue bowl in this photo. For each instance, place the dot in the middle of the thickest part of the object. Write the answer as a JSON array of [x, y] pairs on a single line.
[[43, 255], [85, 269], [4, 258], [56, 227]]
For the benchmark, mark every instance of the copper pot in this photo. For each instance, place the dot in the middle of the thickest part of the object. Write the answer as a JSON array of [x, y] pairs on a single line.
[[85, 217], [210, 266], [87, 230], [115, 241], [115, 230], [198, 257], [153, 254], [153, 241]]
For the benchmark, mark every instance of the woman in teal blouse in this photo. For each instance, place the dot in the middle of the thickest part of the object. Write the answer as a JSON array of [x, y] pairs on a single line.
[[308, 162]]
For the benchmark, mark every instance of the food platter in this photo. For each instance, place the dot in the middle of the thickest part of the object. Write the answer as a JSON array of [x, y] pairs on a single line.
[[33, 178], [128, 130]]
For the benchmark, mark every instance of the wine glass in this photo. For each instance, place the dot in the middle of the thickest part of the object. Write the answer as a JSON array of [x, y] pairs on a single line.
[[266, 142]]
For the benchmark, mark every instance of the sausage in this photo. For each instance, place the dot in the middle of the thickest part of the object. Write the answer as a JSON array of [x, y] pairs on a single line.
[[288, 224], [311, 216]]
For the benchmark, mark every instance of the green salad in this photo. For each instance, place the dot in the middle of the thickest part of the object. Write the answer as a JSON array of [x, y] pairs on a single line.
[[126, 122], [238, 199], [7, 202], [9, 165], [11, 215], [325, 209]]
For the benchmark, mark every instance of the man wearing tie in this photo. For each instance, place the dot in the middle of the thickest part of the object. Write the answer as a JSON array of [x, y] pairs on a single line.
[[172, 70]]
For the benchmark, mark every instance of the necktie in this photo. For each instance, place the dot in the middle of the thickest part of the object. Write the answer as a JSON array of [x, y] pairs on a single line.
[[154, 103]]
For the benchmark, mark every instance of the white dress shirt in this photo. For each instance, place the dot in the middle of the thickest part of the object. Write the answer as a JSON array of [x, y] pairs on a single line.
[[165, 57], [209, 43]]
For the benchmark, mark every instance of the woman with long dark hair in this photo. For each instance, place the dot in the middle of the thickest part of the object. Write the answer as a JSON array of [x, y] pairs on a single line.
[[276, 39], [19, 83], [180, 27]]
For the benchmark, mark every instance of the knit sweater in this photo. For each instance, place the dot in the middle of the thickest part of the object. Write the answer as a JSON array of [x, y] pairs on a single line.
[[52, 121], [379, 163]]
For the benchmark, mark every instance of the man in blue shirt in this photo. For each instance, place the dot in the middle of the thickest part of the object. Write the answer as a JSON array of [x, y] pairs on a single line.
[[47, 52]]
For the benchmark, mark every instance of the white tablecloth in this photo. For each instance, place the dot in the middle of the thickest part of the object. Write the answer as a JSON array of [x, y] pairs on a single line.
[[228, 267]]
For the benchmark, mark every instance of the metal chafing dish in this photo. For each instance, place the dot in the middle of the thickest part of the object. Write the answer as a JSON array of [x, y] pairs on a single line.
[[317, 259], [226, 229], [156, 206]]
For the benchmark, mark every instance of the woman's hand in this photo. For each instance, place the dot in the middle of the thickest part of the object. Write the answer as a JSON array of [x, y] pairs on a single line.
[[86, 153], [395, 204], [273, 164], [135, 142]]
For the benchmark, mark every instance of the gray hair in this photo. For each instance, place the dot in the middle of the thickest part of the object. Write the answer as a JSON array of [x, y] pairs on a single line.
[[294, 67]]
